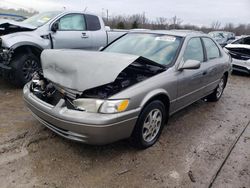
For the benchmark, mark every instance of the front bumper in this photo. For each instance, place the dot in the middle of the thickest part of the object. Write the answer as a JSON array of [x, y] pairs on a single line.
[[241, 65], [91, 128]]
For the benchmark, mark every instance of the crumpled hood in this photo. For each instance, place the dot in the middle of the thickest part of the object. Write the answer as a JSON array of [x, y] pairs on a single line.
[[238, 46], [81, 70], [7, 23]]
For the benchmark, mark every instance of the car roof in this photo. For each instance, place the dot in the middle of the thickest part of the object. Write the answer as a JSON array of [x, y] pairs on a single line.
[[180, 33]]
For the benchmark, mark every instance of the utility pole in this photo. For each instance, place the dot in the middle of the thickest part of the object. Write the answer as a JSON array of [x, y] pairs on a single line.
[[105, 11], [143, 19], [107, 15]]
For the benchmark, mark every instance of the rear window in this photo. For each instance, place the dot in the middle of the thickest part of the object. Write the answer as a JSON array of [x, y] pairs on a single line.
[[93, 23]]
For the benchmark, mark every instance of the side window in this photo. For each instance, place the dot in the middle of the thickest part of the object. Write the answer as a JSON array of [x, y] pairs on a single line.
[[72, 22], [211, 48], [247, 40], [194, 50], [93, 22]]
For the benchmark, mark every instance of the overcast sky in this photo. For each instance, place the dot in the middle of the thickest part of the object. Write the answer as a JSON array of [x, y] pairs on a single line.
[[199, 12]]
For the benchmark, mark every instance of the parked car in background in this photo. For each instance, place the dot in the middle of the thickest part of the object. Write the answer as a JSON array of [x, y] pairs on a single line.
[[21, 43], [222, 37], [129, 89], [240, 52], [14, 17]]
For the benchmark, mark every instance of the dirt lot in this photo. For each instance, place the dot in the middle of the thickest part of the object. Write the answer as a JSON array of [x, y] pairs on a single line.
[[204, 145]]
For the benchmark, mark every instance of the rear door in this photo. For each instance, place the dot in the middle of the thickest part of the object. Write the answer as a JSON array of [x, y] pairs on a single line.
[[214, 65], [72, 33], [191, 82]]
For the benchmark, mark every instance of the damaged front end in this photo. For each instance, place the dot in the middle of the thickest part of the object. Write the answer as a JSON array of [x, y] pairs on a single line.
[[241, 57], [92, 99], [136, 72], [9, 26], [5, 58], [239, 53]]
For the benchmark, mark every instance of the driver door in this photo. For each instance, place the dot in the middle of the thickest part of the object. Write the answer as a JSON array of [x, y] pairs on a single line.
[[191, 82], [72, 33]]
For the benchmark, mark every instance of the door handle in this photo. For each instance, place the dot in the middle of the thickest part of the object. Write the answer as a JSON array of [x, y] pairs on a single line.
[[84, 35]]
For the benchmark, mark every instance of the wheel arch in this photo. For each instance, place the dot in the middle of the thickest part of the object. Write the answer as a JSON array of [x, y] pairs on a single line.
[[160, 95], [24, 48]]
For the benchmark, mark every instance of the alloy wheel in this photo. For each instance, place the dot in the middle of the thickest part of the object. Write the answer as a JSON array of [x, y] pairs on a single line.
[[152, 125], [29, 67]]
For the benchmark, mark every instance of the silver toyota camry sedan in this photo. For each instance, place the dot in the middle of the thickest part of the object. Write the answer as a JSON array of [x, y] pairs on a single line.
[[129, 89]]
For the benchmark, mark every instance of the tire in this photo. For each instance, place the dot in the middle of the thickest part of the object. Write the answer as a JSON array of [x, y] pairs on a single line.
[[24, 65], [217, 93], [146, 134]]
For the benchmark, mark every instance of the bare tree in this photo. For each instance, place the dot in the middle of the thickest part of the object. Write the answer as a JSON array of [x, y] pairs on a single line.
[[162, 23], [216, 25], [141, 21], [175, 22]]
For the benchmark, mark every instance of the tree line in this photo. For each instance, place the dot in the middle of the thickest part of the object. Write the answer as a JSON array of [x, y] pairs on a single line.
[[141, 21]]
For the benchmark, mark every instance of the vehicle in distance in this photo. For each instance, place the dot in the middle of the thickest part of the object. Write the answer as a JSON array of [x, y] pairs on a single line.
[[222, 37], [129, 89], [15, 17], [21, 43], [240, 52]]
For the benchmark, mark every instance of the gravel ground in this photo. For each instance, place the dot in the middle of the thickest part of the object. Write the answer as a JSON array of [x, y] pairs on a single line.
[[204, 145]]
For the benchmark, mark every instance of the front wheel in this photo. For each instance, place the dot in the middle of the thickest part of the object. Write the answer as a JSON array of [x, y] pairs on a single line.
[[149, 125], [24, 65], [216, 95]]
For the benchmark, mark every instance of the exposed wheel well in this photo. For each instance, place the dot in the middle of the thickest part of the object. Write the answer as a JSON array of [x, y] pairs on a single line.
[[27, 49], [163, 98]]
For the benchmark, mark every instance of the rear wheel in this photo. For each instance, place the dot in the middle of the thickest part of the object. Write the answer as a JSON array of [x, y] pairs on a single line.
[[216, 95], [149, 125], [24, 66]]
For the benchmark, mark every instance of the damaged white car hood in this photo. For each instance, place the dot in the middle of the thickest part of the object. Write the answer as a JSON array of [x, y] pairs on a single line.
[[81, 70], [6, 23], [238, 46]]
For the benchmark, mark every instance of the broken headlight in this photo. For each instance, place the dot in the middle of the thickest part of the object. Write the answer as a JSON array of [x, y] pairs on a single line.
[[102, 106]]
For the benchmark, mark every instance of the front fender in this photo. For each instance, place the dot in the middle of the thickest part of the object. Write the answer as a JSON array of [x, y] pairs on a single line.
[[153, 94], [16, 40]]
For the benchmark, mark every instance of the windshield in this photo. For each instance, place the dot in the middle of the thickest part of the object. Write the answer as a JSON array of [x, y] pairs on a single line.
[[159, 48], [40, 19]]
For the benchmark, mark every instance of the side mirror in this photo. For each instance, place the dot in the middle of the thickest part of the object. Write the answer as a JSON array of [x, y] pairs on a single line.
[[55, 27], [190, 64]]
